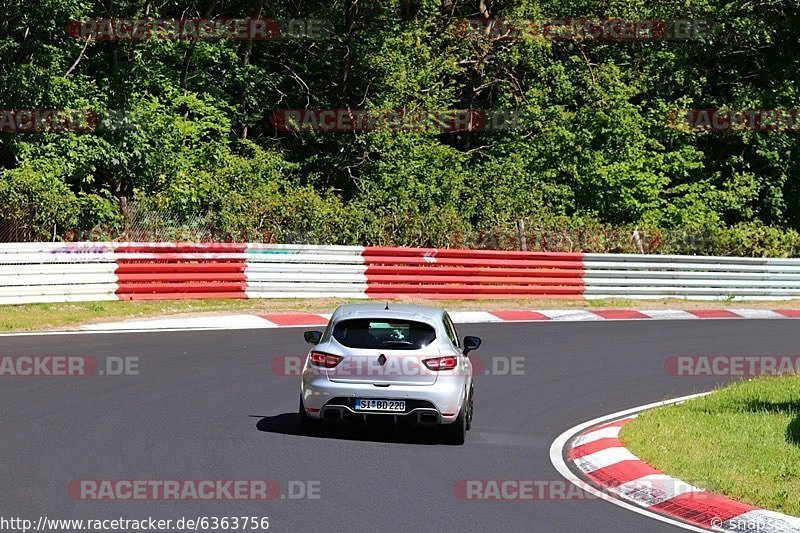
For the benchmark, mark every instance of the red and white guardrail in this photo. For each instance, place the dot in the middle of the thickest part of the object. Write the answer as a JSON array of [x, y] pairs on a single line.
[[84, 271]]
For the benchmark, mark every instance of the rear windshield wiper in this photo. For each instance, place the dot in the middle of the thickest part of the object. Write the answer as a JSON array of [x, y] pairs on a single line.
[[397, 343]]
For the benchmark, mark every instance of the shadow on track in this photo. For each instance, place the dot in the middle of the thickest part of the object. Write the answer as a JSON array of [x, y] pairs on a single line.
[[289, 424]]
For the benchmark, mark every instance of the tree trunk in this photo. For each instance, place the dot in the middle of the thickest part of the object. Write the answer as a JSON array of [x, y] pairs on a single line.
[[248, 50], [350, 12], [187, 57], [112, 44]]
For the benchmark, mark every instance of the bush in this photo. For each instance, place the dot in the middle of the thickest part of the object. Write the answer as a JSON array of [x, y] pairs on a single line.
[[37, 202]]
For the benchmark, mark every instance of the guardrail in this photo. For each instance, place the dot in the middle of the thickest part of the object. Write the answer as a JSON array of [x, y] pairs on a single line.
[[155, 271], [694, 277], [304, 271], [62, 272], [458, 274], [56, 272]]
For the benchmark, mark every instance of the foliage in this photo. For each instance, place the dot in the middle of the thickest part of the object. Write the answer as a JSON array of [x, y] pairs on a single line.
[[592, 153]]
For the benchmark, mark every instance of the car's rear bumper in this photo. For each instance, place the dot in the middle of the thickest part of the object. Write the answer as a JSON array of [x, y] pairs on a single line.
[[338, 410], [430, 404]]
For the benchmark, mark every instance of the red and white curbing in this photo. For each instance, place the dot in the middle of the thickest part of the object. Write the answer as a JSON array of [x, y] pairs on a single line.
[[600, 457], [277, 320]]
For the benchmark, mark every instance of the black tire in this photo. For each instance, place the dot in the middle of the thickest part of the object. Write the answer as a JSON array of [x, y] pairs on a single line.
[[470, 407], [456, 433], [308, 425]]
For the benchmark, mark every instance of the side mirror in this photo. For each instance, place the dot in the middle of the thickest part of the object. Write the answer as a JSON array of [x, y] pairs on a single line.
[[312, 337], [471, 343]]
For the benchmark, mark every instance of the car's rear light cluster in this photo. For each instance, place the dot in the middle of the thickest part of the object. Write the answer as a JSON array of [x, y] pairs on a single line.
[[441, 363], [324, 360]]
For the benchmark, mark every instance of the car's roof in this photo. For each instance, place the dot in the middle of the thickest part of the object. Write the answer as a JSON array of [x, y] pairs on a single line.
[[379, 310]]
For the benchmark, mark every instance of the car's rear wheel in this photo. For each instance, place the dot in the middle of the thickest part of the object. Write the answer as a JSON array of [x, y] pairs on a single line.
[[456, 433], [308, 425]]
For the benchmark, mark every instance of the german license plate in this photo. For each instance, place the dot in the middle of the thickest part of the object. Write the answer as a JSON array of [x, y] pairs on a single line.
[[365, 404]]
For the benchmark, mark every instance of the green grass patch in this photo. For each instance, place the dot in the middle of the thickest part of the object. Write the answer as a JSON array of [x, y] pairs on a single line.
[[742, 441], [614, 303], [48, 316], [36, 317]]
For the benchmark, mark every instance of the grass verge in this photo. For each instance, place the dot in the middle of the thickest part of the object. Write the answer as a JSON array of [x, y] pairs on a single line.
[[34, 317], [742, 441], [37, 317], [44, 316]]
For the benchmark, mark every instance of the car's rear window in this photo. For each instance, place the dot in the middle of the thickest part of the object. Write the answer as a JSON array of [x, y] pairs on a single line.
[[380, 333]]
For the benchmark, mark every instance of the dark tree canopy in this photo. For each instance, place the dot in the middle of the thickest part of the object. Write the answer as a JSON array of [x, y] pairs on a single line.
[[594, 147]]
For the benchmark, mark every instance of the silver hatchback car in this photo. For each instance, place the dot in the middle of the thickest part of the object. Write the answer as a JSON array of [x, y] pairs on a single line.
[[399, 363]]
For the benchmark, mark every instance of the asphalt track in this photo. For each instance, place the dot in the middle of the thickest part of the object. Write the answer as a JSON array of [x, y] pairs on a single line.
[[206, 405]]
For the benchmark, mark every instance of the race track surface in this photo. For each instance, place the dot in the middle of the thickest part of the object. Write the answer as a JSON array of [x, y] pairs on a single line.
[[207, 405]]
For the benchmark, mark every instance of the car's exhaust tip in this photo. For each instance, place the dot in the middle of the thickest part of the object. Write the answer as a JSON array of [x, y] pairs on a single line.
[[428, 418], [332, 414]]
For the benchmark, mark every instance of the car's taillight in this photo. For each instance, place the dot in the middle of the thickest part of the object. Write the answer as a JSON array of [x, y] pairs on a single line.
[[441, 363], [325, 360]]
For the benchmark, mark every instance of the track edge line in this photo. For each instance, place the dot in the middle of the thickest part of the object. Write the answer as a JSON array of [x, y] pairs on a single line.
[[558, 462]]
